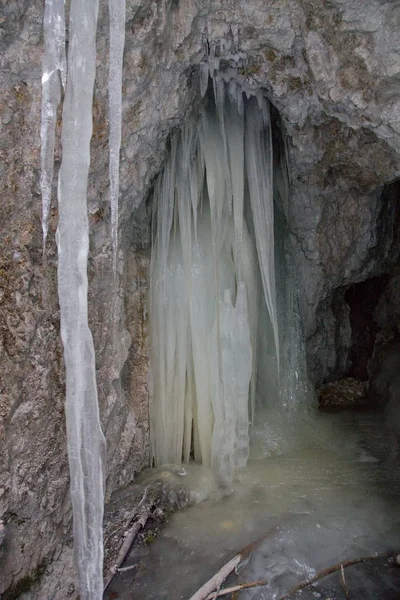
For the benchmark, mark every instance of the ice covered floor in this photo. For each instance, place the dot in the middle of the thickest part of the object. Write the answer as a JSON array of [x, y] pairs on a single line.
[[334, 498]]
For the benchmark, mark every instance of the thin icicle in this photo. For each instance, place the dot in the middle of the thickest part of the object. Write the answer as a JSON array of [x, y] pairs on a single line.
[[53, 77], [259, 161], [116, 10], [224, 393], [243, 365], [235, 150], [204, 77], [86, 444], [249, 270]]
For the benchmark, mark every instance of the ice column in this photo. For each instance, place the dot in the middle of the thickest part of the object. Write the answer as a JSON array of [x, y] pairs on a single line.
[[116, 10], [204, 298], [53, 77], [86, 444], [259, 161], [243, 366]]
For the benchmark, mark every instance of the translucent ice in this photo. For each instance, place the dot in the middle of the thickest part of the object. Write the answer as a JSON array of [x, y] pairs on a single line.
[[54, 71], [86, 444]]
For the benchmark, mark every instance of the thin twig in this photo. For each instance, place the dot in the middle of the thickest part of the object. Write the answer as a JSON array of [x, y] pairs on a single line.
[[236, 588], [344, 584], [330, 570]]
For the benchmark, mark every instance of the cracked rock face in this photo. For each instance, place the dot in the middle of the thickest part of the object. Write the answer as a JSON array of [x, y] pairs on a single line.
[[331, 69]]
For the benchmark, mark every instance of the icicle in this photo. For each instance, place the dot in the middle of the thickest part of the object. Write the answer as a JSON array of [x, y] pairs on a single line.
[[224, 393], [53, 77], [243, 364], [86, 444], [235, 149], [202, 314], [190, 403], [166, 206], [250, 277], [204, 77], [117, 41], [259, 160], [213, 151]]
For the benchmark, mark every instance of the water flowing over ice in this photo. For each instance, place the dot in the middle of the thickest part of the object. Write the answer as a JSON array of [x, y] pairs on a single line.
[[86, 444], [116, 10], [53, 77], [205, 283]]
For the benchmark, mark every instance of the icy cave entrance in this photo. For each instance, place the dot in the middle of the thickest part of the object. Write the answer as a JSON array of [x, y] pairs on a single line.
[[224, 325], [230, 388]]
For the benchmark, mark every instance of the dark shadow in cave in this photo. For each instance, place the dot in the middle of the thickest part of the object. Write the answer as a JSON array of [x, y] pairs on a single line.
[[362, 299]]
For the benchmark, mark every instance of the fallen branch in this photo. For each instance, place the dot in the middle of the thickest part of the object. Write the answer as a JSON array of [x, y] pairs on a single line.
[[329, 570], [208, 590], [236, 588], [144, 510], [217, 580]]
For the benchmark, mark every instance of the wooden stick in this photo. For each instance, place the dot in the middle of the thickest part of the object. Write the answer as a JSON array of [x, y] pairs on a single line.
[[344, 584], [236, 588], [329, 570], [130, 536], [208, 589], [217, 580]]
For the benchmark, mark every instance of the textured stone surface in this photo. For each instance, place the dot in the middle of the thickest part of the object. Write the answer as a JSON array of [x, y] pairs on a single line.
[[332, 69]]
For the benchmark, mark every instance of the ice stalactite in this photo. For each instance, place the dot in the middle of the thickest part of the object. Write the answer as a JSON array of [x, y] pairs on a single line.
[[86, 444], [54, 73], [218, 277], [204, 297], [116, 10], [258, 153]]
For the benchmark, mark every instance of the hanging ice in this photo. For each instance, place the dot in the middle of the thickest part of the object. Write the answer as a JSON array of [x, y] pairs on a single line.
[[116, 10], [258, 153], [86, 444], [53, 77], [204, 298], [243, 366], [214, 337]]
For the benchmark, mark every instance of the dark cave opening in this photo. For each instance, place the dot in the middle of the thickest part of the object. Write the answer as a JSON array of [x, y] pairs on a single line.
[[367, 319], [362, 299]]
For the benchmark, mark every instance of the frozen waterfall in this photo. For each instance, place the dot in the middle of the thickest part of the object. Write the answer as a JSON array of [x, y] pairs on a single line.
[[213, 252]]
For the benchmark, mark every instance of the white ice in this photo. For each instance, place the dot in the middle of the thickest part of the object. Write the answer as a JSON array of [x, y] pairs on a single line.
[[54, 71], [86, 444], [204, 288]]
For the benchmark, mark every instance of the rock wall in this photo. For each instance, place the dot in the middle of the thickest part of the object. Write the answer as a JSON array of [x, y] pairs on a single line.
[[332, 69]]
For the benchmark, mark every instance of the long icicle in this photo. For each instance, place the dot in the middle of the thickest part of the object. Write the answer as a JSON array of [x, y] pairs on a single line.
[[259, 161], [54, 69], [86, 443], [116, 10]]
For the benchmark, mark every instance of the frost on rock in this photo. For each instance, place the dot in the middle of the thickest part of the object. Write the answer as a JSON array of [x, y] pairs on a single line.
[[117, 41], [86, 444], [53, 78]]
